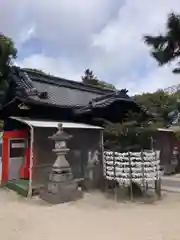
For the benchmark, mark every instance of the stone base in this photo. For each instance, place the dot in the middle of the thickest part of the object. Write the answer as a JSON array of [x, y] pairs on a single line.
[[56, 193]]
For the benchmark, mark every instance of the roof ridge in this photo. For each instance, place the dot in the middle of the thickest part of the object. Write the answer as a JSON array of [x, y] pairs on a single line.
[[73, 84]]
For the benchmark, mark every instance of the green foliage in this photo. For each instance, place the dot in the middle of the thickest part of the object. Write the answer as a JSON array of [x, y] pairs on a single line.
[[1, 124], [8, 52], [177, 135], [159, 102], [127, 136], [134, 132], [90, 79], [106, 85], [35, 70], [166, 47]]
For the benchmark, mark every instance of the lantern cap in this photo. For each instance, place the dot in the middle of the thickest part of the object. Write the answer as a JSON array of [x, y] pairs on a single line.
[[60, 134]]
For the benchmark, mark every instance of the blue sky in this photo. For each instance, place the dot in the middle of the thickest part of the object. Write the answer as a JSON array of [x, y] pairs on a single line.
[[64, 37]]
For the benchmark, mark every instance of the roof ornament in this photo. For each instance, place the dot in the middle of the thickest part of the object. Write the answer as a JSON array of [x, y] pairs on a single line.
[[32, 92], [43, 95], [22, 106]]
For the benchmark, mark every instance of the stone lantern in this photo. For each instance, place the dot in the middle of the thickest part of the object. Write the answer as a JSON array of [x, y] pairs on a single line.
[[61, 186], [61, 167]]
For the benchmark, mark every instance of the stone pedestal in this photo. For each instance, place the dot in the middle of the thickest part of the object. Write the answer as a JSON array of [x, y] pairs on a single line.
[[61, 186], [60, 192]]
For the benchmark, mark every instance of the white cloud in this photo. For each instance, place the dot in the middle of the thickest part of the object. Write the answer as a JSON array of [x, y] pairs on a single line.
[[69, 18], [158, 78], [58, 67], [13, 15], [27, 34], [105, 35], [122, 44]]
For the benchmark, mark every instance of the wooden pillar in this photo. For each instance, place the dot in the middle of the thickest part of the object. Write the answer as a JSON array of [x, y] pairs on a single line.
[[158, 188]]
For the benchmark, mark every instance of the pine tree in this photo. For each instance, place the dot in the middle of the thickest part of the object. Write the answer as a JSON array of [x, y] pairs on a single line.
[[166, 47]]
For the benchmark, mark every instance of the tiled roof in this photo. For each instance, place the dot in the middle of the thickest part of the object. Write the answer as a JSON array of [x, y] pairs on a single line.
[[105, 101], [47, 89]]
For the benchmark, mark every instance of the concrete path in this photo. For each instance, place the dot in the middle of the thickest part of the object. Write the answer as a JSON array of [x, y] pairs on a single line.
[[171, 184], [93, 217]]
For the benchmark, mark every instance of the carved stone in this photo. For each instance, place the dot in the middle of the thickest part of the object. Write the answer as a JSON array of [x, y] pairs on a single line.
[[61, 186], [92, 173]]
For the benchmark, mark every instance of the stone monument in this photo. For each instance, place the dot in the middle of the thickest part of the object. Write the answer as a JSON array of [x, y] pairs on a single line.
[[92, 172], [61, 186]]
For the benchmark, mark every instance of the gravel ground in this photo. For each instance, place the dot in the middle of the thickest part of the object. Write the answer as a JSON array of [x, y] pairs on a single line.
[[93, 217]]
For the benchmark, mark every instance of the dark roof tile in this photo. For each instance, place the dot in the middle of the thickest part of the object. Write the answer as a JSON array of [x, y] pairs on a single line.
[[64, 95]]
